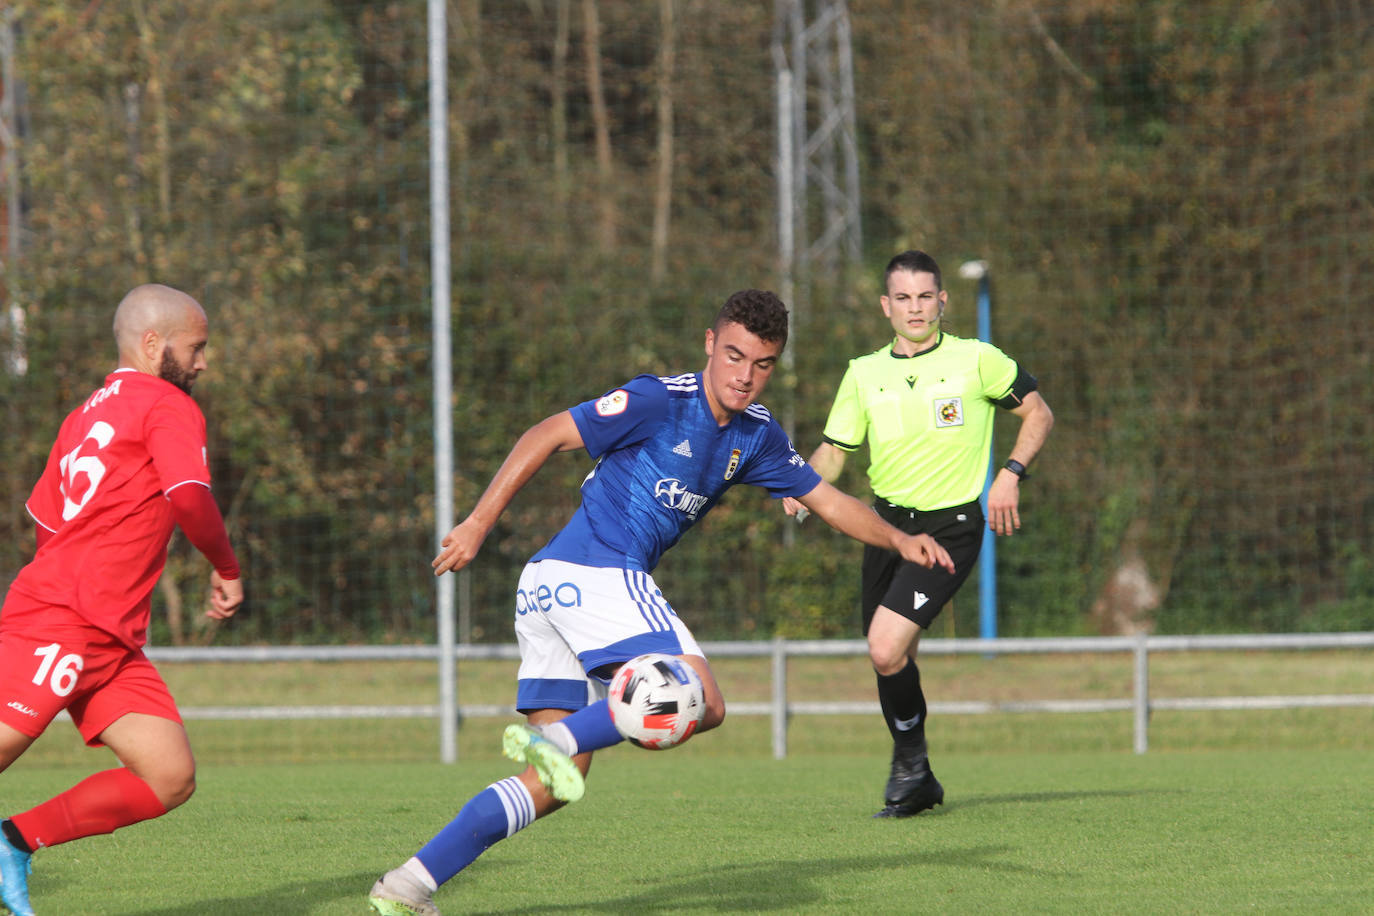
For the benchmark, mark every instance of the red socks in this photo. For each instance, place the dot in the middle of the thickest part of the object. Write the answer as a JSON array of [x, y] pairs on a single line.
[[98, 804]]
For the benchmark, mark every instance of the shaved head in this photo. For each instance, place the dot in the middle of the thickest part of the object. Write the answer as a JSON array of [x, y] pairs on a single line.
[[161, 331], [152, 307]]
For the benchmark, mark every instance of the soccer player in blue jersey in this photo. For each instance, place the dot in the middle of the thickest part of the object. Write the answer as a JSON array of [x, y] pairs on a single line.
[[667, 448]]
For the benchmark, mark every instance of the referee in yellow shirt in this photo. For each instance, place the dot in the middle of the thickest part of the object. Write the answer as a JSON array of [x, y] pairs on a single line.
[[925, 405]]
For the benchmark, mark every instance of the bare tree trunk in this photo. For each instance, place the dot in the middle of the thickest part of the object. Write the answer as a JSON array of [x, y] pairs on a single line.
[[162, 134], [156, 91], [558, 90], [170, 586], [465, 32], [606, 230], [663, 190], [1129, 598], [133, 223]]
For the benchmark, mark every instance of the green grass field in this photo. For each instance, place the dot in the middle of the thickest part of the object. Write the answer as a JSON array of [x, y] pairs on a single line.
[[1073, 833], [1254, 811]]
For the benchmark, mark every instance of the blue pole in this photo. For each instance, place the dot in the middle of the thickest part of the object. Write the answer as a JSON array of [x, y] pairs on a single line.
[[987, 568]]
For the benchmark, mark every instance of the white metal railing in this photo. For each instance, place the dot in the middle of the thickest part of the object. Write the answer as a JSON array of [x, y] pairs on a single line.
[[780, 650]]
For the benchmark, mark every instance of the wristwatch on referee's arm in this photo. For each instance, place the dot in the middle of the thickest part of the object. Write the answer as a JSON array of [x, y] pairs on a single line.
[[1017, 468]]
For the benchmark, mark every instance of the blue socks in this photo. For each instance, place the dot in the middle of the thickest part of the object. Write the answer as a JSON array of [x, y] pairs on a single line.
[[493, 814], [591, 728], [505, 807]]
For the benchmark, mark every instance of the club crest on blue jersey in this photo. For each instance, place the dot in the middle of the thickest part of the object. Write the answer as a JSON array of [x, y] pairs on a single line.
[[733, 466]]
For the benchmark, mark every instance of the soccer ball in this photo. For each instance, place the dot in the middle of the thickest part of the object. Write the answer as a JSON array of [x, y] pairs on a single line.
[[656, 701]]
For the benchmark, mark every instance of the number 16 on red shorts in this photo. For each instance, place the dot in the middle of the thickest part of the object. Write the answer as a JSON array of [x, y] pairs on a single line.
[[96, 678]]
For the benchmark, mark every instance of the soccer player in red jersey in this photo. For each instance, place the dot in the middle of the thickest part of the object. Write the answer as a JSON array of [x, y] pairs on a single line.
[[128, 464]]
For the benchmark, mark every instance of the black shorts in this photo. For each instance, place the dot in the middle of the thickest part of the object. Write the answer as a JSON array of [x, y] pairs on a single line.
[[917, 593]]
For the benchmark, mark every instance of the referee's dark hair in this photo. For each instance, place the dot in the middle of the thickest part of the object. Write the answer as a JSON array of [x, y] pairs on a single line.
[[917, 262]]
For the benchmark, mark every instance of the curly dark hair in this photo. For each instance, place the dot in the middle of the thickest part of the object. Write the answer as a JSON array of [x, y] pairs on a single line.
[[758, 311]]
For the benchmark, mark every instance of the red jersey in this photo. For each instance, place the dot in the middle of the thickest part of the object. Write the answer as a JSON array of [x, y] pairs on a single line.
[[103, 495]]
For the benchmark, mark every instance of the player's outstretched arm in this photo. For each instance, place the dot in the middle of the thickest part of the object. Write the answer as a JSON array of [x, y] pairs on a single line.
[[846, 514], [828, 461], [557, 433]]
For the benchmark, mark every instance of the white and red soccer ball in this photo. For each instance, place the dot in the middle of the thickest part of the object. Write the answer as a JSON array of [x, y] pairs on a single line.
[[656, 701]]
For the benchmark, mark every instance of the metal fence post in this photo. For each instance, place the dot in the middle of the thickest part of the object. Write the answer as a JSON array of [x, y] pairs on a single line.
[[1142, 693], [779, 698]]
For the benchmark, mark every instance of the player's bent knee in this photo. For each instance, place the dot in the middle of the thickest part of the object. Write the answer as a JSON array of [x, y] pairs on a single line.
[[887, 660], [179, 795], [173, 789]]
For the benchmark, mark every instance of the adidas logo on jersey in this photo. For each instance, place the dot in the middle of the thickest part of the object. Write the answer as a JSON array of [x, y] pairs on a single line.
[[684, 448]]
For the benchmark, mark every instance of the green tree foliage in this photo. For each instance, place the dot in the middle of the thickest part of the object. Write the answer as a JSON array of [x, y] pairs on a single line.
[[1173, 198], [1170, 194], [221, 147]]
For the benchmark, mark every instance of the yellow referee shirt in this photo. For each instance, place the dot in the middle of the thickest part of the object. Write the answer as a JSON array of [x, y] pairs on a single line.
[[927, 419]]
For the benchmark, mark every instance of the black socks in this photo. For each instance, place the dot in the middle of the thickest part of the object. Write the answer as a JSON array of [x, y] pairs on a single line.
[[16, 839], [904, 705]]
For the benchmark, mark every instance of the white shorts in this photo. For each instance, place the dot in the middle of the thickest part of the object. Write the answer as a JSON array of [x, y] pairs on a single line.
[[577, 624]]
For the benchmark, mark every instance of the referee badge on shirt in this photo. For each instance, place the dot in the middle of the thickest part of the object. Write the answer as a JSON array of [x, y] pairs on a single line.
[[949, 412]]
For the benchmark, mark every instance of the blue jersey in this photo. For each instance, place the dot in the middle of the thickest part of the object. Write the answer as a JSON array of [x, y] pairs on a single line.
[[663, 462]]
